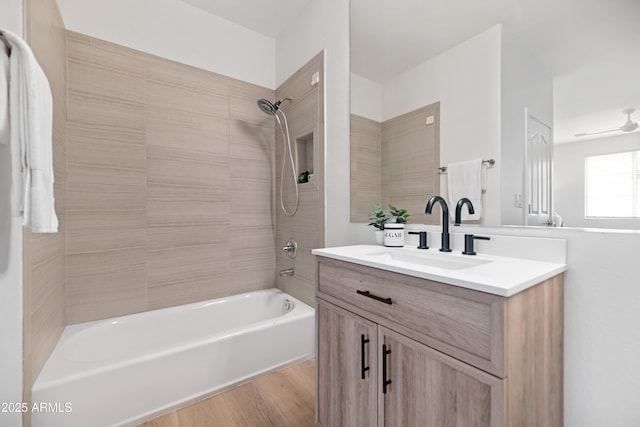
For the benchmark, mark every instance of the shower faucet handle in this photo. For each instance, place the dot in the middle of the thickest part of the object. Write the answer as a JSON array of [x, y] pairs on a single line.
[[291, 248]]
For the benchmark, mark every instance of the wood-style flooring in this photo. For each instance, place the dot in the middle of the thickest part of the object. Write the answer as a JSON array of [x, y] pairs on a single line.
[[283, 398]]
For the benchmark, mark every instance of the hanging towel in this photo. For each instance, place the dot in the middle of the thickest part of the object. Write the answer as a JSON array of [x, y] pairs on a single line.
[[464, 179], [4, 96], [31, 117]]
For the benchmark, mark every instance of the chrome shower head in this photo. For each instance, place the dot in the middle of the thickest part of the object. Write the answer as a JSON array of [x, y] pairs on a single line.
[[269, 108]]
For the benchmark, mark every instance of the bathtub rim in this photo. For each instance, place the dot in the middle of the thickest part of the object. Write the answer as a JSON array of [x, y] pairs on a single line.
[[301, 310]]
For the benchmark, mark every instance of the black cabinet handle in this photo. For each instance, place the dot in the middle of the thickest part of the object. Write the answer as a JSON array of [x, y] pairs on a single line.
[[363, 368], [385, 381], [375, 297]]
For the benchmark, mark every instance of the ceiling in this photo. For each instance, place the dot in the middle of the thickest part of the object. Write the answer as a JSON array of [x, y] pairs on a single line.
[[387, 38], [267, 17]]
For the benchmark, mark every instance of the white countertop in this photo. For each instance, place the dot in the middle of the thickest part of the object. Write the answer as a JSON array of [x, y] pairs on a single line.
[[498, 275]]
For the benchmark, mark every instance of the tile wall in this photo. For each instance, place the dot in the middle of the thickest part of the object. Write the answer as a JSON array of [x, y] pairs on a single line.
[[396, 162], [44, 258], [366, 166], [170, 183], [305, 116]]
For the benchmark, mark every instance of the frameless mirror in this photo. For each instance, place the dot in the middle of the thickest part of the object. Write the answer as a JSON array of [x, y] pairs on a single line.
[[545, 88]]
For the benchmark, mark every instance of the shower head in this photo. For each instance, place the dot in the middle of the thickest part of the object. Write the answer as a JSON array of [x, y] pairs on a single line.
[[269, 108]]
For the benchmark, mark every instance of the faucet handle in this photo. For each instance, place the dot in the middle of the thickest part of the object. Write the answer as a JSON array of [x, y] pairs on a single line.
[[423, 239], [468, 243]]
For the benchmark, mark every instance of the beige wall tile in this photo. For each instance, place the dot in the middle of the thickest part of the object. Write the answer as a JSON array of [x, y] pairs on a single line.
[[252, 141], [189, 131], [104, 55], [178, 235], [252, 247], [167, 192], [163, 95], [44, 258], [105, 97], [243, 106], [175, 265], [188, 274], [82, 174], [192, 290], [94, 231], [410, 153], [88, 196], [305, 116], [183, 205], [173, 166], [366, 167], [106, 284], [304, 291], [47, 276], [111, 147], [181, 75]]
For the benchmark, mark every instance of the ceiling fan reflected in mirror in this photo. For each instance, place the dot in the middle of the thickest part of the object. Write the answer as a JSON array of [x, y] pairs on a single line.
[[627, 127]]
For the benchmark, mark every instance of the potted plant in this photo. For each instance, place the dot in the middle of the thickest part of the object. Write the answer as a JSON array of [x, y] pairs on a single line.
[[394, 228], [377, 219]]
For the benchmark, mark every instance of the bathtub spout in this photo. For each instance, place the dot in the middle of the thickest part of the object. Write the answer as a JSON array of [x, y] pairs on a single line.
[[286, 273]]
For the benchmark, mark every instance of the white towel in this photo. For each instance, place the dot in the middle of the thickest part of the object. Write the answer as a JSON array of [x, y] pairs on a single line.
[[464, 179], [4, 96], [31, 118]]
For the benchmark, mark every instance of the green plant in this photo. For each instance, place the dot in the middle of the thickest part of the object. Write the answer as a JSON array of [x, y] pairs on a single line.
[[398, 216], [378, 217]]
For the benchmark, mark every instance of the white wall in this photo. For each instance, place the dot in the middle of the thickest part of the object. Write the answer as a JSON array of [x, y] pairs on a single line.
[[525, 84], [366, 98], [569, 179], [10, 263], [601, 327], [466, 81], [176, 30]]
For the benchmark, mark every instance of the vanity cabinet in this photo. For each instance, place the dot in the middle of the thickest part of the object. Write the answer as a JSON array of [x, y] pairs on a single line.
[[397, 350]]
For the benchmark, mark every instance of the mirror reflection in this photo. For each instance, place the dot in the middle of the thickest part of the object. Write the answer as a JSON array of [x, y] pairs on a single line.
[[548, 90]]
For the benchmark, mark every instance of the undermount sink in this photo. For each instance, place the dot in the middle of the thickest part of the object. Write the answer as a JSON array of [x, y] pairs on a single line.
[[445, 261]]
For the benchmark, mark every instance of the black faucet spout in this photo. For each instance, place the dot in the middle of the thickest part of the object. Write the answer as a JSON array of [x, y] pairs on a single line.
[[461, 203], [445, 247]]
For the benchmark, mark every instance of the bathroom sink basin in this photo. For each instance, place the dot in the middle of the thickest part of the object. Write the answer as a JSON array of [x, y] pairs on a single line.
[[446, 261]]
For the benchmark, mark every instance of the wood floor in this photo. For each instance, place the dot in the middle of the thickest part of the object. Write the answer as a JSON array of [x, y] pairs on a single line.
[[284, 398]]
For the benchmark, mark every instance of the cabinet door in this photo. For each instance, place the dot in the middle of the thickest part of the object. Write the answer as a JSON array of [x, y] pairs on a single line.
[[431, 389], [347, 360]]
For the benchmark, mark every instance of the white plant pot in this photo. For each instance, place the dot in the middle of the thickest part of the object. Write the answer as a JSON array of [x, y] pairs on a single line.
[[379, 236], [394, 235]]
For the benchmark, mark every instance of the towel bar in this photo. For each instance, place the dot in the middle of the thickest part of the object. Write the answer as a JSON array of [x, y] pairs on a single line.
[[490, 162]]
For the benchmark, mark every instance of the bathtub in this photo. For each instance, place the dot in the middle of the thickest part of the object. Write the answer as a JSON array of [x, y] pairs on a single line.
[[123, 370]]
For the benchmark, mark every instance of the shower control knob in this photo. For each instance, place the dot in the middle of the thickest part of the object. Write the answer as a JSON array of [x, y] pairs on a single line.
[[291, 248]]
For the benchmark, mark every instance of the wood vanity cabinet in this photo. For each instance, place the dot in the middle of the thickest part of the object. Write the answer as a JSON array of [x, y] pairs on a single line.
[[396, 350]]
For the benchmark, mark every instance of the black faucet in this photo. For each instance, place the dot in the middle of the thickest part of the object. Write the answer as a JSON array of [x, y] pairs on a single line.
[[462, 202], [445, 220]]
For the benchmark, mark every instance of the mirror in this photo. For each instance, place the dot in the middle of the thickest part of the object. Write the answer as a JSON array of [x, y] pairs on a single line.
[[496, 69]]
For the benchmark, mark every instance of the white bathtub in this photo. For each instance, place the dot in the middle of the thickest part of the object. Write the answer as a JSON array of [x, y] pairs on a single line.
[[120, 371]]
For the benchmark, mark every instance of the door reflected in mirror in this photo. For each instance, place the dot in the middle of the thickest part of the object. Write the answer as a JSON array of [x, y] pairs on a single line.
[[574, 66]]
